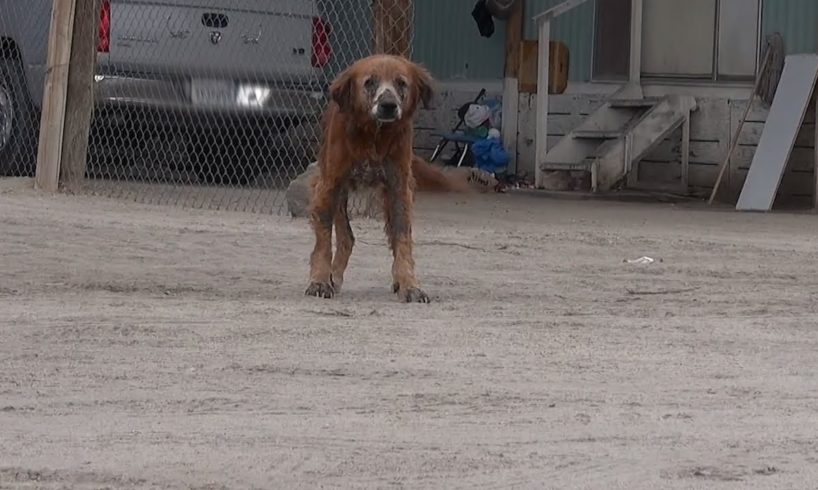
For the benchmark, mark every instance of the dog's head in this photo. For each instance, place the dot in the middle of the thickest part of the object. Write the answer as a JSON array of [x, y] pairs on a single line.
[[388, 89]]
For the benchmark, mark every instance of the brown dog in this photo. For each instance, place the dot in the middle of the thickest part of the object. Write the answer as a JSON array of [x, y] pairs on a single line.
[[367, 141]]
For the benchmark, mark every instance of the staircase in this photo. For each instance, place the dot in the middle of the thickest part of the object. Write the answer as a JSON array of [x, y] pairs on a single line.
[[612, 140]]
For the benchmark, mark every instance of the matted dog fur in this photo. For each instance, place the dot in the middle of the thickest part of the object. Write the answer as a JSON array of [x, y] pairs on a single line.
[[367, 143]]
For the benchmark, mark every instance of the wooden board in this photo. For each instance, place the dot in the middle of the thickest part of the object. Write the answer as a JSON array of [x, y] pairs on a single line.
[[780, 132], [52, 124], [528, 67], [79, 103], [68, 96], [559, 60]]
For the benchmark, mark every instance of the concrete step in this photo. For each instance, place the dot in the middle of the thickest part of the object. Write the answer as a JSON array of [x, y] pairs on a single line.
[[595, 134], [633, 103], [584, 165]]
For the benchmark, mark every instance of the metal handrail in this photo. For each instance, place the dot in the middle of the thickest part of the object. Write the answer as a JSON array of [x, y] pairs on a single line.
[[558, 10]]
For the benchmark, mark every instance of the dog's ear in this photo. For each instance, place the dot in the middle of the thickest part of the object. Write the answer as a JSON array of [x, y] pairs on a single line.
[[341, 90], [425, 86]]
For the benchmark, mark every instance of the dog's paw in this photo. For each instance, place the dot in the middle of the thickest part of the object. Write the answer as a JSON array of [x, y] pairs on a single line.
[[321, 290], [412, 295]]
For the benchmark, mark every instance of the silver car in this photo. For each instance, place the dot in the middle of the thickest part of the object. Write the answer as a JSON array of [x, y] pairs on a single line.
[[245, 58]]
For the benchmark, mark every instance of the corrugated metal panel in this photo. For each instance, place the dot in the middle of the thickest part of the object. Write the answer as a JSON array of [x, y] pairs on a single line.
[[796, 20], [447, 41], [575, 28], [446, 38]]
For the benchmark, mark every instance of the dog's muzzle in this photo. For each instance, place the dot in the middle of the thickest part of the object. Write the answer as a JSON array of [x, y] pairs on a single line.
[[387, 107]]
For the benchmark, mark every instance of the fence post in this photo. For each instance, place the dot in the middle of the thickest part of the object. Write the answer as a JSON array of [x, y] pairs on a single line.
[[635, 63], [393, 26], [68, 94], [511, 83], [543, 77]]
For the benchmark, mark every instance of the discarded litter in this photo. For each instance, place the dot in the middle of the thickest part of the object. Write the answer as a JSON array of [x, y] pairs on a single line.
[[641, 261]]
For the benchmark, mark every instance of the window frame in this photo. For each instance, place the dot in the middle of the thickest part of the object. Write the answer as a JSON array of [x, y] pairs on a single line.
[[713, 77]]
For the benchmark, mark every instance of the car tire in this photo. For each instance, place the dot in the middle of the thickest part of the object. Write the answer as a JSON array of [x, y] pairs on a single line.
[[501, 9], [18, 122]]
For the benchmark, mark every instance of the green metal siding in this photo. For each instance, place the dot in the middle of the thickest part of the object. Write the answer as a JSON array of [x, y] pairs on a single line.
[[575, 29], [447, 42], [796, 20]]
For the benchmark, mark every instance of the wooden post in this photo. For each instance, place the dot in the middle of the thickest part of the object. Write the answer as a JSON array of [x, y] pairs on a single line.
[[685, 184], [68, 94], [737, 133], [543, 69], [52, 124], [815, 153], [635, 63], [80, 101], [393, 26], [511, 84]]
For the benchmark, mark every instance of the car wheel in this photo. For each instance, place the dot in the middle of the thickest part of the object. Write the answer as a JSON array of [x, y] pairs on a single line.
[[500, 9], [18, 140]]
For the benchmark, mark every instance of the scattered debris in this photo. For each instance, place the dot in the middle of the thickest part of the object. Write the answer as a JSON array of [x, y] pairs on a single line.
[[660, 292], [481, 180], [452, 244], [642, 261], [716, 474], [331, 313]]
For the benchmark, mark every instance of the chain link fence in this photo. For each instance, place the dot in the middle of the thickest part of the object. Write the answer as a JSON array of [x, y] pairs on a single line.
[[205, 103]]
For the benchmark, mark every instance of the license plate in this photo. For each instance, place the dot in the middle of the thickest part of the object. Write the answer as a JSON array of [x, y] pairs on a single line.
[[212, 92]]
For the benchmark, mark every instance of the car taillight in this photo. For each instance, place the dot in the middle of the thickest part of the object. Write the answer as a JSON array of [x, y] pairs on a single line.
[[321, 49], [104, 44]]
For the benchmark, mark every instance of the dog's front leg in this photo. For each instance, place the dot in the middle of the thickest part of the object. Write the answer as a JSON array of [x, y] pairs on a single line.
[[344, 238], [398, 202], [325, 200]]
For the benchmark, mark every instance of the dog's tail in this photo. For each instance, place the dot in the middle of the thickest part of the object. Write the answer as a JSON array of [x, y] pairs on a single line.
[[431, 179]]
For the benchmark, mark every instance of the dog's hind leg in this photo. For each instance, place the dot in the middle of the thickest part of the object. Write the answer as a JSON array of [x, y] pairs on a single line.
[[398, 204], [344, 240]]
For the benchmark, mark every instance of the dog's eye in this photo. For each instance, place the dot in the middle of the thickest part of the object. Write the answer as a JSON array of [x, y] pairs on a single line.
[[401, 83], [369, 84]]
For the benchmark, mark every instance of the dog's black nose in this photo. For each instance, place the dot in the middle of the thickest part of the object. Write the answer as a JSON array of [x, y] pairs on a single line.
[[388, 109]]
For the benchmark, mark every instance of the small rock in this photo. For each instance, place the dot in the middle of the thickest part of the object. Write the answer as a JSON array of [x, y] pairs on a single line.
[[298, 192]]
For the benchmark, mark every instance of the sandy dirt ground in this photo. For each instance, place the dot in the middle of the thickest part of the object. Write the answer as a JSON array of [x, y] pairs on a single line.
[[160, 347]]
